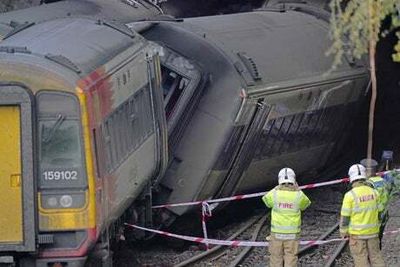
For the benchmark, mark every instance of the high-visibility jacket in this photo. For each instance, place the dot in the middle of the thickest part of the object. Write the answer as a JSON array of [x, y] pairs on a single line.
[[361, 209], [381, 186], [286, 202]]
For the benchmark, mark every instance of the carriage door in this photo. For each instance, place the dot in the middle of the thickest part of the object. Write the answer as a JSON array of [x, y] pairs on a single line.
[[17, 203], [258, 114]]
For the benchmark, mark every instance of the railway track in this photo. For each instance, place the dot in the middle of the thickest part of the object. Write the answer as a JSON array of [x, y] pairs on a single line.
[[323, 255], [319, 223], [230, 256], [311, 255], [256, 229]]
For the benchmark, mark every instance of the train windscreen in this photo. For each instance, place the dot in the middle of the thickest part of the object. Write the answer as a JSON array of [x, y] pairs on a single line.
[[60, 146]]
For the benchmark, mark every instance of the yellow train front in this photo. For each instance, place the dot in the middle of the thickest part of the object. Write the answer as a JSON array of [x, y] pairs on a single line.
[[82, 135]]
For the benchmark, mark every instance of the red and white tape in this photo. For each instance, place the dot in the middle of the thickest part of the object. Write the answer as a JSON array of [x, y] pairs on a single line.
[[247, 196], [232, 243], [239, 243], [392, 232], [205, 213], [260, 194]]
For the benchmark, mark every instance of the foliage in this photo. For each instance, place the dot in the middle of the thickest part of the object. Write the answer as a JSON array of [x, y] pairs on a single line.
[[395, 183], [360, 22], [356, 28]]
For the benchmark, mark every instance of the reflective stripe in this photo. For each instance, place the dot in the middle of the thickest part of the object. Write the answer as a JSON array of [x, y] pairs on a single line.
[[357, 205], [287, 227], [346, 210], [275, 195], [357, 209], [285, 236], [378, 184], [376, 195], [297, 201], [363, 226], [364, 236], [355, 198]]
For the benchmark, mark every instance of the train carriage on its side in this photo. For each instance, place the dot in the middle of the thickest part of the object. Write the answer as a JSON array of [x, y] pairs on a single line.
[[83, 135], [269, 100]]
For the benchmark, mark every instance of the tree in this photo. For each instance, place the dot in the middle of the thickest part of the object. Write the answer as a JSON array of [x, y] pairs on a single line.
[[356, 29]]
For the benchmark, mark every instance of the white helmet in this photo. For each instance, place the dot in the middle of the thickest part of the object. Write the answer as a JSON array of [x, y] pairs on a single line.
[[286, 175], [357, 172]]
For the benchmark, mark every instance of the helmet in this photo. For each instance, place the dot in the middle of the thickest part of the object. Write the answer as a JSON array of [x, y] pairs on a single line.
[[370, 166], [286, 175], [357, 172]]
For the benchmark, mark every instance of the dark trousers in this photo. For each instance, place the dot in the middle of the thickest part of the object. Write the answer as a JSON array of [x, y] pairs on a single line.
[[382, 228]]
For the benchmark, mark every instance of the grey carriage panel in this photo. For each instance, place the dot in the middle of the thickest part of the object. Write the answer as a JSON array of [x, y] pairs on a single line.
[[95, 9], [278, 43], [84, 44]]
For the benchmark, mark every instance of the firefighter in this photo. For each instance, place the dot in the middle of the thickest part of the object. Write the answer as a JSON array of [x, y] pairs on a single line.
[[287, 202], [359, 219], [382, 187]]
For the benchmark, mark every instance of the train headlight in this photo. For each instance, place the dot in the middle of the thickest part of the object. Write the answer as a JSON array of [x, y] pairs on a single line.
[[52, 202], [66, 201], [62, 200]]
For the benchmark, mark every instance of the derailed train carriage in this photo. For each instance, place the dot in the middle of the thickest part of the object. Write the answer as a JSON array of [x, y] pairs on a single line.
[[91, 120], [268, 99]]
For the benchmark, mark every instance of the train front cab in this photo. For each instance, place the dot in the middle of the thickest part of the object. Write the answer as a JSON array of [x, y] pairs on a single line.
[[17, 186], [61, 195], [57, 195], [54, 205]]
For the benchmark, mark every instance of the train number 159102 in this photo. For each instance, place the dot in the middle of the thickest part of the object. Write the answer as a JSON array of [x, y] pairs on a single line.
[[60, 175]]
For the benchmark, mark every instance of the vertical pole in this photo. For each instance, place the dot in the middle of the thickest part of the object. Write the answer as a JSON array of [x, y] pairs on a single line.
[[205, 212]]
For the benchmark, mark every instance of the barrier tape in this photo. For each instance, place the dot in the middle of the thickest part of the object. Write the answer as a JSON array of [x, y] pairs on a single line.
[[232, 243], [205, 213], [240, 243], [392, 232], [260, 194], [247, 196]]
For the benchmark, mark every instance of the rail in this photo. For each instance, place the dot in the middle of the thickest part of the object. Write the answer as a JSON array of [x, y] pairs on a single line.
[[218, 251], [332, 232]]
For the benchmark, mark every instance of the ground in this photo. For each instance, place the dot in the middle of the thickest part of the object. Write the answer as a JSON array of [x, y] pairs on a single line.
[[391, 243]]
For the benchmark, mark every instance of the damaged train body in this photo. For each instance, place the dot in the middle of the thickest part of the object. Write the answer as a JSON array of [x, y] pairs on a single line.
[[269, 100], [100, 120]]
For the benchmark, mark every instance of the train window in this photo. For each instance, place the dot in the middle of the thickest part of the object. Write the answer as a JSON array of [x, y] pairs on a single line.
[[99, 169], [173, 85], [298, 131], [127, 127], [61, 161]]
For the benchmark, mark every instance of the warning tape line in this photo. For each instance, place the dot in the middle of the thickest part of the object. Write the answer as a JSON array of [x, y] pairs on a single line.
[[392, 232], [233, 243], [247, 196], [260, 194], [239, 243]]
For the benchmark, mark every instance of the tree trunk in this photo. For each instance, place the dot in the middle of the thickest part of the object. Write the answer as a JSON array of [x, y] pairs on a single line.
[[372, 52]]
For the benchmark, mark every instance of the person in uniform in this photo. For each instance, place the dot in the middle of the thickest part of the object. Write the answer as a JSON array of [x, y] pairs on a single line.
[[382, 187], [287, 202], [359, 219]]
